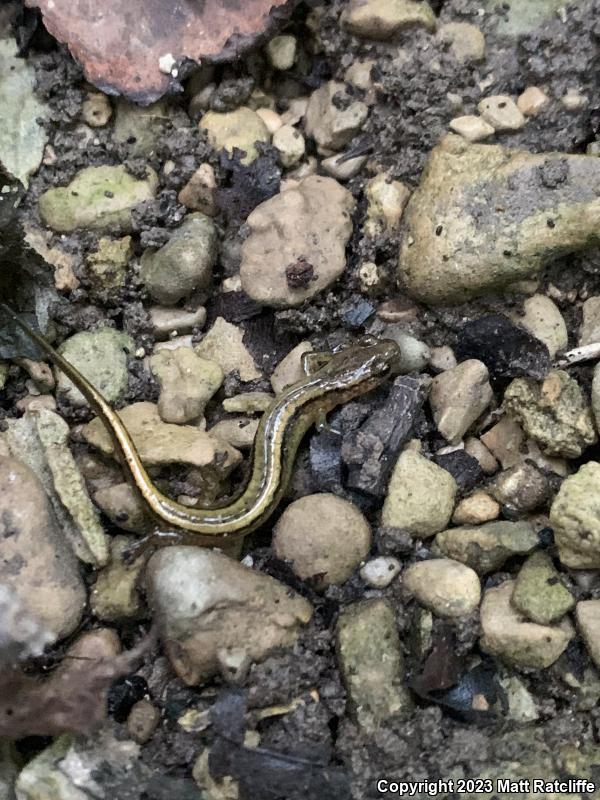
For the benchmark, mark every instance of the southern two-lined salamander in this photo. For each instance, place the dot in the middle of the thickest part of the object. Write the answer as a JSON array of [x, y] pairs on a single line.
[[332, 379]]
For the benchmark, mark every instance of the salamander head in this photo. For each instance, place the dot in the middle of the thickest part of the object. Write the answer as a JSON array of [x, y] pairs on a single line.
[[368, 362]]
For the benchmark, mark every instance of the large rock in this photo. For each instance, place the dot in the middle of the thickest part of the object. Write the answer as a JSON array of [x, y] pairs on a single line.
[[35, 559], [509, 213], [420, 496], [297, 242], [213, 612], [184, 263], [97, 197], [371, 662], [575, 517]]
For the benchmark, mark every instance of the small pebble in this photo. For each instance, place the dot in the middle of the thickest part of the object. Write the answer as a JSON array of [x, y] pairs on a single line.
[[289, 370], [501, 112], [476, 448], [539, 593], [166, 320], [290, 144], [471, 128], [466, 41], [486, 547], [380, 572], [543, 319], [445, 587], [142, 721], [198, 194], [522, 488], [531, 102], [442, 359], [272, 119], [343, 168], [248, 403], [420, 496], [239, 432], [96, 110], [281, 52], [476, 509], [573, 100]]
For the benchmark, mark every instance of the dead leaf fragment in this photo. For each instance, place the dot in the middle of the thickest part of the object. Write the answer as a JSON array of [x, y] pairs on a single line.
[[135, 47]]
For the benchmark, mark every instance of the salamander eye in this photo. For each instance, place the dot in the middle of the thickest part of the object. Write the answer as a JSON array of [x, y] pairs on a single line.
[[381, 366]]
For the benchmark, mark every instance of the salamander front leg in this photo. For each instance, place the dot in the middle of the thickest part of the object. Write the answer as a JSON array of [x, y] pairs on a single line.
[[151, 542]]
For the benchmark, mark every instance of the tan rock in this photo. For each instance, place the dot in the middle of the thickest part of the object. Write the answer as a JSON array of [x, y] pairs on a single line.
[[590, 326], [96, 110], [198, 194], [471, 128], [248, 403], [115, 595], [329, 125], [297, 242], [239, 129], [123, 506], [383, 19], [476, 509], [575, 517], [224, 344], [501, 112], [239, 432], [209, 609], [420, 496], [160, 443], [486, 547], [476, 448], [290, 144], [458, 397], [35, 559], [167, 320], [142, 721], [446, 587], [289, 370], [543, 319], [587, 614], [466, 41], [507, 635], [187, 382], [531, 101], [323, 537], [386, 200]]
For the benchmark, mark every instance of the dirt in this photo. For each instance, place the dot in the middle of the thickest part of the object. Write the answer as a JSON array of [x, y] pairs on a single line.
[[411, 113]]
